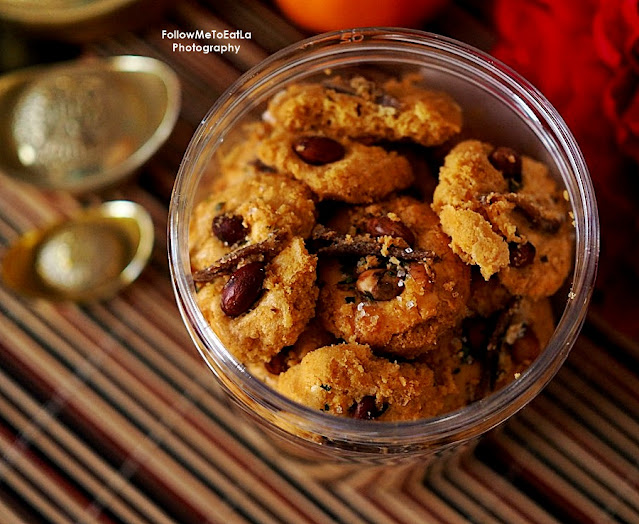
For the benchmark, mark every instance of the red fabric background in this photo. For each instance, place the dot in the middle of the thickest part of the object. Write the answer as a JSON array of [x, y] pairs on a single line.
[[583, 55]]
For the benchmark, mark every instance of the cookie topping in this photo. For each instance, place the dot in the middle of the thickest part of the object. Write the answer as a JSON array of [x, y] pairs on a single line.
[[339, 86], [363, 245], [379, 284], [318, 150], [229, 229], [385, 226], [521, 255], [540, 217], [261, 167], [507, 161], [494, 347], [366, 409], [229, 262], [242, 289]]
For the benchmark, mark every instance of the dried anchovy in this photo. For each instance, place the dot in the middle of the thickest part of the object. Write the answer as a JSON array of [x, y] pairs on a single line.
[[534, 212], [229, 262], [494, 347], [262, 167], [364, 245], [375, 93], [339, 86], [321, 232]]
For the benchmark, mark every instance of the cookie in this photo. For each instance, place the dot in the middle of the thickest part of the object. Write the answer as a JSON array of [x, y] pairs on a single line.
[[247, 212], [339, 270], [314, 336], [283, 305], [495, 350], [358, 108], [348, 380], [398, 306], [238, 160], [486, 296], [342, 170], [506, 214]]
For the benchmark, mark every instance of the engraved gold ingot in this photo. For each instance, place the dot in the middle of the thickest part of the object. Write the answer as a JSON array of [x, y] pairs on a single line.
[[89, 257], [84, 125]]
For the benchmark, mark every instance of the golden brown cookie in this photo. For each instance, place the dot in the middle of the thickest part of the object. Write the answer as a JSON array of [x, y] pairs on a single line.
[[247, 212], [505, 213], [349, 380], [486, 296], [494, 350], [237, 160], [394, 305], [358, 108], [314, 336], [329, 283], [337, 169], [283, 304]]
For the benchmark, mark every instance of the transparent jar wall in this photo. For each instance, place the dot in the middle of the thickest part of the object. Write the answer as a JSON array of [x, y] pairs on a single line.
[[498, 108]]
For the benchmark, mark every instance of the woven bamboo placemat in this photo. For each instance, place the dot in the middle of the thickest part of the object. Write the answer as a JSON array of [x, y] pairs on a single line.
[[107, 413]]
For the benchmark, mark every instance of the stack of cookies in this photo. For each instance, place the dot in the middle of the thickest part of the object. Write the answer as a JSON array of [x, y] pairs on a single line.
[[363, 259]]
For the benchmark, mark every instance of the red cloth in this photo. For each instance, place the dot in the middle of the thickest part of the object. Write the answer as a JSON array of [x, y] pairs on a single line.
[[583, 55]]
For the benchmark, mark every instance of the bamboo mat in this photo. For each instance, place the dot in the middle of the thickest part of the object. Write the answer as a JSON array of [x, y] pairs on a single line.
[[108, 414]]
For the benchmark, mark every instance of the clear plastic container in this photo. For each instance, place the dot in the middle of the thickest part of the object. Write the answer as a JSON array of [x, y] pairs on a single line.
[[499, 107]]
